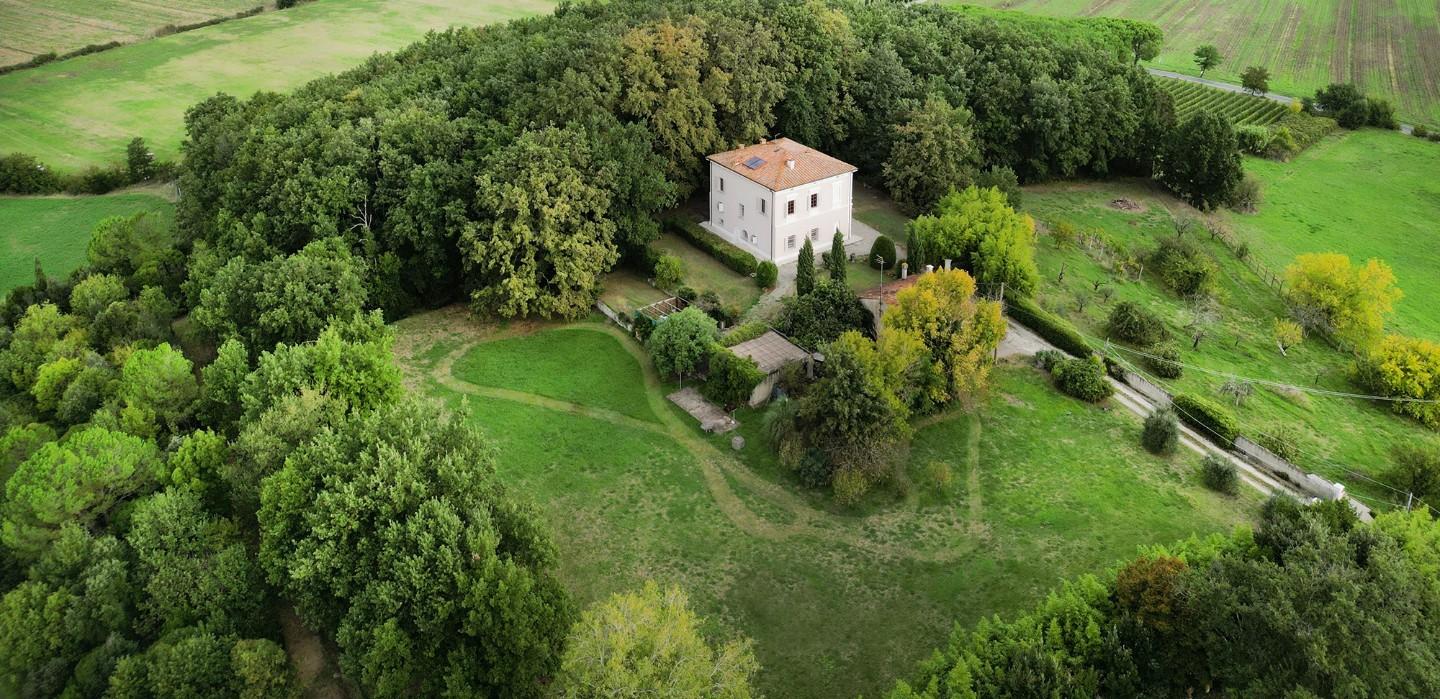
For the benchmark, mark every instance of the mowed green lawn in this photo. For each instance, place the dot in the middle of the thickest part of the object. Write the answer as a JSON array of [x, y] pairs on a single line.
[[1339, 437], [57, 230], [83, 111], [1389, 47], [1366, 194], [839, 603]]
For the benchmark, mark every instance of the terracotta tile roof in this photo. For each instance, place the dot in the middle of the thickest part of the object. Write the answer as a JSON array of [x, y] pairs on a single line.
[[890, 289], [770, 351], [766, 164]]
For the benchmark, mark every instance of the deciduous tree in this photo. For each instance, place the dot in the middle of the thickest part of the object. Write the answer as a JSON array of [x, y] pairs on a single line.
[[1207, 57], [934, 152], [639, 644], [544, 237], [1329, 294], [486, 616], [681, 342], [1200, 161]]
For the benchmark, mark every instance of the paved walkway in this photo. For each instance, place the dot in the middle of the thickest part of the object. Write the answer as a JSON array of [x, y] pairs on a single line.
[[1232, 87]]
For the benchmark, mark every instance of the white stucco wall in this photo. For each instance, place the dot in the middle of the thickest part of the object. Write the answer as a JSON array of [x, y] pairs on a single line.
[[767, 234], [831, 212], [727, 218]]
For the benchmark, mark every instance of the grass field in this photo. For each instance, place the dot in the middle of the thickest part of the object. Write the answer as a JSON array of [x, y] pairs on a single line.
[[1389, 47], [1044, 487], [83, 111], [1366, 194], [704, 273], [57, 230], [1336, 433], [36, 27], [1240, 109]]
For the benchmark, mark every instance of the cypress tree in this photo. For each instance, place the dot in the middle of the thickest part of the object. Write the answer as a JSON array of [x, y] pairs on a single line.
[[836, 263], [805, 269]]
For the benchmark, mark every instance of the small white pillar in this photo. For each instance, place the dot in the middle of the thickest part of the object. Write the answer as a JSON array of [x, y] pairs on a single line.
[[904, 269], [929, 268], [947, 264]]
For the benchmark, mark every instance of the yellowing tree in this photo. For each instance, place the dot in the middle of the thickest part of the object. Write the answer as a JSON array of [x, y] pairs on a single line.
[[1405, 367], [648, 644], [1287, 334], [959, 330], [1329, 294]]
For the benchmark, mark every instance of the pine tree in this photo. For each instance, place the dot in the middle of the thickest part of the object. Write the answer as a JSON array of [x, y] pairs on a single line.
[[805, 269], [836, 263]]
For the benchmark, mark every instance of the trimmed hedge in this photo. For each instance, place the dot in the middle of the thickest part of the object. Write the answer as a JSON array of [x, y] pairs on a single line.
[[1213, 421], [1049, 326], [728, 255]]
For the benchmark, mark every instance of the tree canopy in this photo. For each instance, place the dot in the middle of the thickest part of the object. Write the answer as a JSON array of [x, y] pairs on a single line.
[[393, 533]]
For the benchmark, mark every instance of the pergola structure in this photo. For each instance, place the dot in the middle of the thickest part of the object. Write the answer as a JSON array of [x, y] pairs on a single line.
[[664, 307]]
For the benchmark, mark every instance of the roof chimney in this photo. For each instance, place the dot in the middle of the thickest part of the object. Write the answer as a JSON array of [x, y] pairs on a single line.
[[790, 164]]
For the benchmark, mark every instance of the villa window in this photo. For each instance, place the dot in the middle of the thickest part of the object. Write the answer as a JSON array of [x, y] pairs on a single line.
[[815, 234], [742, 211], [790, 243], [790, 207], [762, 207], [814, 200]]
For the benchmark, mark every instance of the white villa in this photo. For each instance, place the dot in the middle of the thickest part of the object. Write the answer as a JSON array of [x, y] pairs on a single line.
[[767, 198]]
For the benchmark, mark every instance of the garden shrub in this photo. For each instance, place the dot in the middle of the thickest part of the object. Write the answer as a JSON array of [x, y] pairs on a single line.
[[1219, 474], [1282, 145], [1054, 329], [1130, 322], [1183, 267], [1213, 421], [1165, 362], [1419, 131], [669, 271], [1161, 434], [766, 273], [1253, 138], [728, 255], [731, 378], [882, 248], [743, 333], [1047, 359], [686, 293], [23, 174], [1083, 379], [822, 315]]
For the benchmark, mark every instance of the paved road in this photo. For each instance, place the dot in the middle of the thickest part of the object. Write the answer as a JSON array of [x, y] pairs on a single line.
[[1232, 87], [1020, 341]]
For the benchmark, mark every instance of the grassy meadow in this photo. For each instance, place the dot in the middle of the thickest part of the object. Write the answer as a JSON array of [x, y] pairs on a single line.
[[83, 111], [644, 495], [57, 230], [65, 25], [1366, 194], [1339, 437], [1389, 47]]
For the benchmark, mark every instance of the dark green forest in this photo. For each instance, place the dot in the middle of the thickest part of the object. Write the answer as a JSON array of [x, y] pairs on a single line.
[[168, 491]]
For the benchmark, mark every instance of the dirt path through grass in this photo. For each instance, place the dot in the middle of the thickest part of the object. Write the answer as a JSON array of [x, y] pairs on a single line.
[[717, 468]]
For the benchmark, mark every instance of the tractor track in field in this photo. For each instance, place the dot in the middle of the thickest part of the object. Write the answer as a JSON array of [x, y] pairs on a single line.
[[718, 469]]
